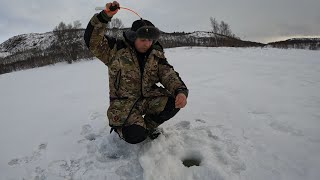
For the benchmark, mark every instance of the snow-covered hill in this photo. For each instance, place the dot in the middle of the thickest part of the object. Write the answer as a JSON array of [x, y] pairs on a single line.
[[201, 34], [251, 114], [27, 41], [44, 40]]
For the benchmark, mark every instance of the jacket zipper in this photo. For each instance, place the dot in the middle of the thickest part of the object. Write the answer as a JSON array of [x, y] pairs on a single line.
[[142, 75]]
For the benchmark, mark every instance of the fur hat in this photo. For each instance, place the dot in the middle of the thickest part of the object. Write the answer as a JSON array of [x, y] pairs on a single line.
[[142, 29]]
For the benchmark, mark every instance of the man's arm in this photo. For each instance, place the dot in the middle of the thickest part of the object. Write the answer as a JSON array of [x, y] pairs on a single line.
[[172, 81], [101, 46]]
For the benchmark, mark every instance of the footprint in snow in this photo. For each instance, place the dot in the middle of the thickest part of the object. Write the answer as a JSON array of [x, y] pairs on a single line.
[[36, 155], [200, 121], [183, 125], [97, 115]]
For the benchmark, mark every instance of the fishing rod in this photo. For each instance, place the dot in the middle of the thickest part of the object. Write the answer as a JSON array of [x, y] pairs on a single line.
[[146, 31], [114, 8]]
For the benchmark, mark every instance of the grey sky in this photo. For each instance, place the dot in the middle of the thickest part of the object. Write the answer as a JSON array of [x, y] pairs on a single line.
[[255, 20]]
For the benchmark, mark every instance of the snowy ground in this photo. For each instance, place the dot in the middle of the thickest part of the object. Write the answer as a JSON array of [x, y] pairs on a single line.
[[252, 114]]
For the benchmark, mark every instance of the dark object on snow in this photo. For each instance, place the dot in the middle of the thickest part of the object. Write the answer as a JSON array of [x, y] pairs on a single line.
[[191, 162], [154, 133]]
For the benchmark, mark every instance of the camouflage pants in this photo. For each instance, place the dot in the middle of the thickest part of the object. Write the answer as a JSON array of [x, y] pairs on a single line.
[[144, 112]]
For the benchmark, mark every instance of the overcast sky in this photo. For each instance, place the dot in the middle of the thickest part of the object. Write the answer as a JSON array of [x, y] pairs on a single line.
[[255, 20]]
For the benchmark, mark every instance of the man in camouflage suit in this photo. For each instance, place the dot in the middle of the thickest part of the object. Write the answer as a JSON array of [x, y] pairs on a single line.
[[136, 64]]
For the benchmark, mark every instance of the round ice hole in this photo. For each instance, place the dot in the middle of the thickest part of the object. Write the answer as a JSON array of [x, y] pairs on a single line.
[[191, 162], [192, 158]]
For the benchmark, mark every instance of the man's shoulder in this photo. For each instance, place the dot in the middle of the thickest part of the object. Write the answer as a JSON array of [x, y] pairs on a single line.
[[158, 50], [157, 46]]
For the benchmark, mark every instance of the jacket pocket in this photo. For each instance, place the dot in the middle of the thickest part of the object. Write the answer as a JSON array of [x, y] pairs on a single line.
[[118, 111], [117, 80]]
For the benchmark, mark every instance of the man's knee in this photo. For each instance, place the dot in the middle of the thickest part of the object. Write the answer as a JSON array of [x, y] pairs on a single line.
[[134, 134], [169, 111]]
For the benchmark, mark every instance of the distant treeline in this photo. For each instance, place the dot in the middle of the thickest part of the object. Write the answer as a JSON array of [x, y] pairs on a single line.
[[310, 43], [37, 58], [180, 39], [69, 45]]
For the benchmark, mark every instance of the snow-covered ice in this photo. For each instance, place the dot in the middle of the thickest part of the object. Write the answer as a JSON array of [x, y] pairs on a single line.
[[252, 113]]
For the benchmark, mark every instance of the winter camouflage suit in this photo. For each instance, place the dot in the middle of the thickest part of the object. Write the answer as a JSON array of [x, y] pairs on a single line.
[[135, 99]]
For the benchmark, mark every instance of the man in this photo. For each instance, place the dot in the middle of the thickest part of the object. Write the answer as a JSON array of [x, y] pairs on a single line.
[[136, 64]]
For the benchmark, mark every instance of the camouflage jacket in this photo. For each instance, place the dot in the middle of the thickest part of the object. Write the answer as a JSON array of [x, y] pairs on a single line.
[[126, 83]]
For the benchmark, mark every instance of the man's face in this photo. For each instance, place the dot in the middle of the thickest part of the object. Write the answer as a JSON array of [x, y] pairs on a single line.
[[142, 45]]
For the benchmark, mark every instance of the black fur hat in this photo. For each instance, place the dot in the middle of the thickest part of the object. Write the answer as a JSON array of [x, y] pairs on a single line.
[[142, 29]]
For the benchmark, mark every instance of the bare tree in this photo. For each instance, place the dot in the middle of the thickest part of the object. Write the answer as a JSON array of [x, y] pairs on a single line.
[[215, 28], [67, 40], [61, 26], [58, 31], [69, 26], [225, 29], [77, 24], [214, 25], [115, 23]]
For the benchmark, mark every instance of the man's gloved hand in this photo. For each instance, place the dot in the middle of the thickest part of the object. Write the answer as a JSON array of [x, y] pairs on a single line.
[[181, 100], [109, 8]]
